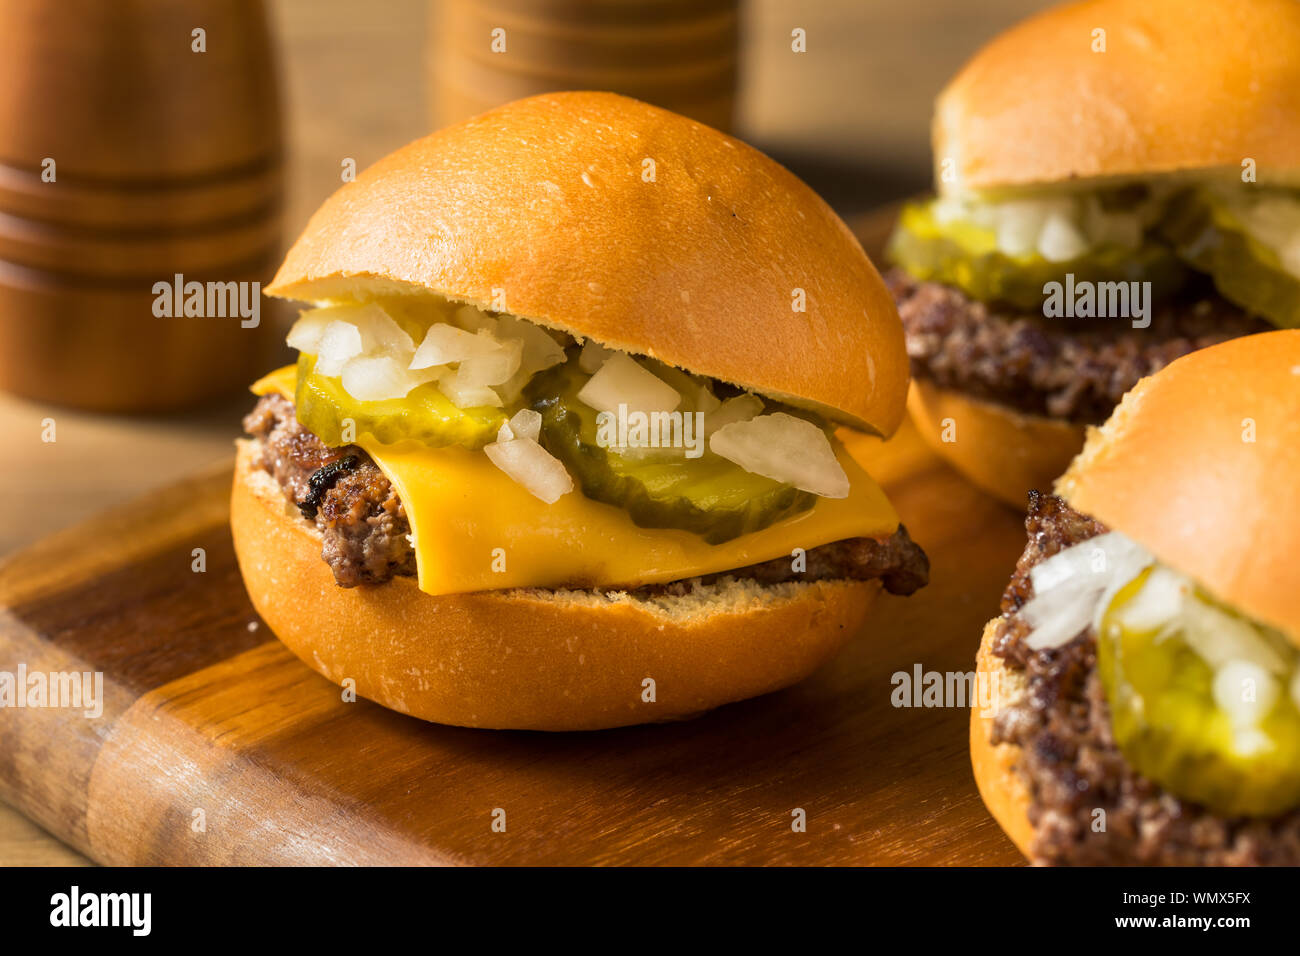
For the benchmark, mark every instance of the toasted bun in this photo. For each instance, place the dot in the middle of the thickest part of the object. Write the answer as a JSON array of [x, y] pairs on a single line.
[[543, 207], [1199, 465], [530, 659], [1182, 85], [998, 449], [994, 765]]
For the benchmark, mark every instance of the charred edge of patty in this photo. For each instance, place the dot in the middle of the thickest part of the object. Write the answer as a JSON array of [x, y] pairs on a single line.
[[1070, 762], [322, 480], [1070, 370], [365, 530]]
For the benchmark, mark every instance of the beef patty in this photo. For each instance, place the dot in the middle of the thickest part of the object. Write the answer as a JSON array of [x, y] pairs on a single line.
[[1070, 763], [365, 526], [1075, 370]]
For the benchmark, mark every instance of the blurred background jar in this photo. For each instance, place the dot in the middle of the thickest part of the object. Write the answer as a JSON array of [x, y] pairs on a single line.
[[678, 54], [139, 141]]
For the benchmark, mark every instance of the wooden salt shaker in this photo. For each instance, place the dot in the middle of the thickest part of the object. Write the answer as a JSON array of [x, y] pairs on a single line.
[[138, 142]]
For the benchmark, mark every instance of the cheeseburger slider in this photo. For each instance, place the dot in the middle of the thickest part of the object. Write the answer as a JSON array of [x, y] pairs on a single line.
[[1117, 186], [559, 449], [1143, 679]]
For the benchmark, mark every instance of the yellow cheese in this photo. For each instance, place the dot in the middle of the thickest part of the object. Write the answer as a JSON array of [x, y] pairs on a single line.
[[476, 529]]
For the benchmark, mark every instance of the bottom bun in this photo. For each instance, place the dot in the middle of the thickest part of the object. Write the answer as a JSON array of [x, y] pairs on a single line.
[[531, 659], [998, 449], [999, 784]]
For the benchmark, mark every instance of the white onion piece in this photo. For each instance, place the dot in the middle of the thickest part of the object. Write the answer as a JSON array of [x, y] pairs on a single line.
[[529, 464], [783, 448], [1159, 601], [380, 333], [621, 381], [307, 330], [373, 378], [1060, 240], [444, 344], [1018, 225], [464, 395], [593, 356], [738, 408], [1058, 617], [1219, 637], [339, 342], [494, 368], [1073, 587], [526, 423], [1234, 686], [505, 432]]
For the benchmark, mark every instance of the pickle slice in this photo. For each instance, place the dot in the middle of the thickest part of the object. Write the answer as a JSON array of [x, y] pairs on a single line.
[[709, 495], [1166, 722], [424, 415], [1210, 236], [966, 255]]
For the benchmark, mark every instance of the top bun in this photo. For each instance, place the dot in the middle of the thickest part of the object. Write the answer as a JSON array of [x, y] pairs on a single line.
[[610, 219], [1198, 464], [1182, 85]]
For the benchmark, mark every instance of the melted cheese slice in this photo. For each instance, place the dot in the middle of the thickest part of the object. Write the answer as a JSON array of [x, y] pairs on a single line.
[[475, 529]]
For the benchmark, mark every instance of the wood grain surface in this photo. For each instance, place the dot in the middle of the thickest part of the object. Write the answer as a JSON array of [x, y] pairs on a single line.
[[356, 88]]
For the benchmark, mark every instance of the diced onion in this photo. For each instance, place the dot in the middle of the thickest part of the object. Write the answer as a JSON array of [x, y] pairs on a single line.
[[529, 464], [526, 423], [491, 369], [444, 344], [783, 448], [307, 330], [339, 342], [1073, 587], [621, 381], [1060, 240], [738, 408], [464, 395], [378, 377]]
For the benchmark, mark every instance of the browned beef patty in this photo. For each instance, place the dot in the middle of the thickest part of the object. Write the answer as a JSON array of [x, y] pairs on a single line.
[[1070, 763], [1075, 370], [365, 527]]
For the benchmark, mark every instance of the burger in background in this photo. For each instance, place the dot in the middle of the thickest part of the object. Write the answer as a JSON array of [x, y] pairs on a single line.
[[1116, 188], [1142, 684]]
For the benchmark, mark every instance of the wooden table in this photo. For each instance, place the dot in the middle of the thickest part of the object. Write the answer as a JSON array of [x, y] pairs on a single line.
[[355, 89]]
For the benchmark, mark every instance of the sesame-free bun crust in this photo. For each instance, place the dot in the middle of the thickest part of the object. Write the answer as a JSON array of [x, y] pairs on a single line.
[[1199, 464], [549, 208], [998, 449], [524, 659], [994, 765], [1182, 85]]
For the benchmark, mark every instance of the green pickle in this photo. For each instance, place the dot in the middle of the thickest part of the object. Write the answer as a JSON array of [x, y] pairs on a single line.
[[424, 415], [1211, 237], [966, 255], [709, 495], [1166, 723]]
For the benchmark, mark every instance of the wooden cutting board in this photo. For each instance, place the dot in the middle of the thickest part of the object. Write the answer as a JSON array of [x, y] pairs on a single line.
[[205, 713], [216, 745]]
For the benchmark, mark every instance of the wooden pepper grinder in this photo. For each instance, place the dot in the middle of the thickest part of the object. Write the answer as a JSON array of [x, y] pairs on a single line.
[[140, 154], [679, 54]]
